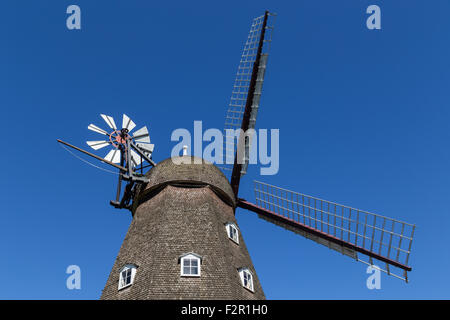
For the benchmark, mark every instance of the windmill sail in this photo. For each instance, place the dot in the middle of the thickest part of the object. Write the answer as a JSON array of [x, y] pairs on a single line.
[[359, 234], [245, 97]]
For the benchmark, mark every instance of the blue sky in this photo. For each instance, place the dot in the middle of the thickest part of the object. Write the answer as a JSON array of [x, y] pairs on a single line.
[[363, 118]]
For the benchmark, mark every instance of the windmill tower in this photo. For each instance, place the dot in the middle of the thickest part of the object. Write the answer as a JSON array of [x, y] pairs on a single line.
[[184, 241], [184, 213]]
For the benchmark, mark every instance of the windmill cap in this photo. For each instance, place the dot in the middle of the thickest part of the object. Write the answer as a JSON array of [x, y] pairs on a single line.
[[187, 171]]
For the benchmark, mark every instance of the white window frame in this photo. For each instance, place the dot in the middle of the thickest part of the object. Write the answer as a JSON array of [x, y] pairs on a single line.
[[243, 274], [194, 257], [122, 284], [229, 226]]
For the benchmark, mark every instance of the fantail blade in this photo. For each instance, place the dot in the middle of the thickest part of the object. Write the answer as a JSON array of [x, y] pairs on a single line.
[[136, 158], [147, 148], [142, 135], [109, 121], [113, 156], [94, 128], [127, 123], [96, 145]]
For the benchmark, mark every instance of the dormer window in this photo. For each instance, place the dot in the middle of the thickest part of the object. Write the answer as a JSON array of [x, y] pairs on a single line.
[[190, 265], [126, 276], [232, 232], [246, 278]]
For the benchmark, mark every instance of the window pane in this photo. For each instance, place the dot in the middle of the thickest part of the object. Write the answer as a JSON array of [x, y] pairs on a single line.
[[194, 263], [187, 262], [247, 280], [186, 270], [194, 270]]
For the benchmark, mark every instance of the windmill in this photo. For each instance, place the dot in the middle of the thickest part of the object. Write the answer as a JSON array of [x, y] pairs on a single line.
[[184, 240]]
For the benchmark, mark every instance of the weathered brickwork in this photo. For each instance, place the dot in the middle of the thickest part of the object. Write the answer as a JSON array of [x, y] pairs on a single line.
[[178, 220]]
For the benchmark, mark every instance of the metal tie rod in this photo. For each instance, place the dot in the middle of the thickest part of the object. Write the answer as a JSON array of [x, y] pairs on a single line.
[[93, 155]]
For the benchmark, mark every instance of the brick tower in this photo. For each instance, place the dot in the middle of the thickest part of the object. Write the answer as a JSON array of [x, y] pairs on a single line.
[[183, 241]]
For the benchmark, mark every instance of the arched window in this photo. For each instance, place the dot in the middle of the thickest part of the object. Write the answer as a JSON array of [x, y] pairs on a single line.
[[246, 278], [190, 265], [126, 276], [232, 232]]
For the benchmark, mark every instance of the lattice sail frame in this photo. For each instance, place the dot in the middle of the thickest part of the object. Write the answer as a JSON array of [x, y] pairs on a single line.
[[371, 235], [238, 100]]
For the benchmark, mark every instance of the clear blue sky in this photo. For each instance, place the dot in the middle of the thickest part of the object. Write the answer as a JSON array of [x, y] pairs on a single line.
[[364, 119]]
